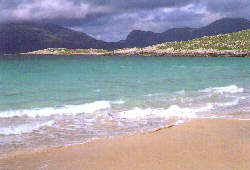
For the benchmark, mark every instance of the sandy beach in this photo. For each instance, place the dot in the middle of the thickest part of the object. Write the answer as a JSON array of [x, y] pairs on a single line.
[[197, 144]]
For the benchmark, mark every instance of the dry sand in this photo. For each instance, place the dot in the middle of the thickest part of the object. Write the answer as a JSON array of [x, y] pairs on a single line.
[[198, 144]]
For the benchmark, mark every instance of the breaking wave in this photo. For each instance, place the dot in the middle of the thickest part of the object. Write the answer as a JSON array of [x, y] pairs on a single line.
[[25, 128], [172, 111], [226, 89], [65, 110]]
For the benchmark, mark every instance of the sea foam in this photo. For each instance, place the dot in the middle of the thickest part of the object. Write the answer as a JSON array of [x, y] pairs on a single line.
[[172, 111], [65, 110], [119, 102], [25, 128], [226, 89]]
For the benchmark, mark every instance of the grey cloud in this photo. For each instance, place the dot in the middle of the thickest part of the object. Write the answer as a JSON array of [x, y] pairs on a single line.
[[226, 6], [112, 20], [123, 4], [95, 6], [142, 4], [114, 28], [229, 8]]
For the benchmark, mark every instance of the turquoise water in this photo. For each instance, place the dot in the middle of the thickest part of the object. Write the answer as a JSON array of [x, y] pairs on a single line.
[[54, 100]]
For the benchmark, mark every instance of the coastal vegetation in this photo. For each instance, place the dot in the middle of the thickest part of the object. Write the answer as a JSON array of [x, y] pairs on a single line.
[[233, 41], [232, 44]]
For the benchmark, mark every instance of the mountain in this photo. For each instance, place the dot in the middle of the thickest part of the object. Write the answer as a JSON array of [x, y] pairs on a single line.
[[233, 44], [222, 26], [31, 36], [141, 38]]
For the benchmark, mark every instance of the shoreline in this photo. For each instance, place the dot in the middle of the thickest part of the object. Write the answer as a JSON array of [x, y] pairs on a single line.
[[147, 51], [42, 149], [205, 143]]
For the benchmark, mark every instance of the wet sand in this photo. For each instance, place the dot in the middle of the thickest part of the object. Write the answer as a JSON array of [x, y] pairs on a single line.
[[198, 144]]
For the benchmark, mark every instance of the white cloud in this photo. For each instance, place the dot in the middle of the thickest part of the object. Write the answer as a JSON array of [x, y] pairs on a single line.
[[49, 9], [168, 10]]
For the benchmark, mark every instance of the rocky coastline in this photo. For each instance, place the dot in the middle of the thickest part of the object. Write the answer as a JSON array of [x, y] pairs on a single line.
[[148, 51]]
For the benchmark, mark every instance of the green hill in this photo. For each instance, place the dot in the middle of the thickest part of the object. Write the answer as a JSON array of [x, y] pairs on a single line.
[[233, 41]]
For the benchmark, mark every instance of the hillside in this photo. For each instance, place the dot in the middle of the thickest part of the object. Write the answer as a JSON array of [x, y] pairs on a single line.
[[232, 44], [145, 38], [30, 36], [232, 41]]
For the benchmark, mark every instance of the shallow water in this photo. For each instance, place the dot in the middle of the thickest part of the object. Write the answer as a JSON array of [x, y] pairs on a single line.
[[58, 100]]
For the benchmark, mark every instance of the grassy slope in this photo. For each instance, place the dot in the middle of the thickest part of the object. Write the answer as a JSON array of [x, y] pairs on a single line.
[[233, 41]]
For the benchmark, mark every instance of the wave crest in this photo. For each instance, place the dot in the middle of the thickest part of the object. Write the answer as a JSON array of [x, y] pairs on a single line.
[[65, 110], [172, 111], [25, 128], [226, 89]]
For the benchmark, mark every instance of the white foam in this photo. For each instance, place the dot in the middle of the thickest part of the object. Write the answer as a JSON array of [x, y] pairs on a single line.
[[182, 92], [97, 90], [152, 95], [222, 90], [173, 111], [179, 122], [231, 103], [148, 95], [118, 102], [25, 128], [66, 110]]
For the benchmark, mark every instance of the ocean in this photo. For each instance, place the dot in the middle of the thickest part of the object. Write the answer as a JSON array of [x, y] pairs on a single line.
[[62, 100]]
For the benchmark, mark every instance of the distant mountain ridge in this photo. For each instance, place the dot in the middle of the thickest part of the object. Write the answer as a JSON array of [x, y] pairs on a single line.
[[222, 26], [30, 36]]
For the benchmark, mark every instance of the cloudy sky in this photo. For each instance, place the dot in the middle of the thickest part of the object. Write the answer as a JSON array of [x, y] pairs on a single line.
[[112, 20]]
